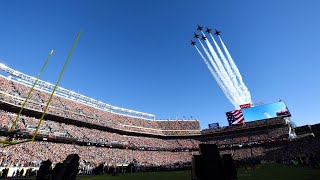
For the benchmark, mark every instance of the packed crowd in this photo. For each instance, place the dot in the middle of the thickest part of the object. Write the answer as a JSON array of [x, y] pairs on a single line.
[[15, 93], [305, 150], [84, 134], [301, 151], [245, 153], [247, 125], [250, 137], [32, 153], [298, 152], [178, 124]]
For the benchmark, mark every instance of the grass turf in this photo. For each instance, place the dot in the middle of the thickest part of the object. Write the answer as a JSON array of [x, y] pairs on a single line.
[[279, 172], [174, 175], [262, 172]]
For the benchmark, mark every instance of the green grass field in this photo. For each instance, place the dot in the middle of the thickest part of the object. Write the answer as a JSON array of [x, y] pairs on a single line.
[[263, 172], [280, 172]]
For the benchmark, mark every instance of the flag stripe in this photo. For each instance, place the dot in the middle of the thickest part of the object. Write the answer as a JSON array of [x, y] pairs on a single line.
[[235, 117]]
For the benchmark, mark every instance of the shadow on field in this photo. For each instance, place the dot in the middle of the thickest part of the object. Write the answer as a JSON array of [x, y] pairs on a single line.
[[262, 172]]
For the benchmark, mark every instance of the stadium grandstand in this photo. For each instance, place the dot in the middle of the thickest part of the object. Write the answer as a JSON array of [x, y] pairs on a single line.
[[104, 134]]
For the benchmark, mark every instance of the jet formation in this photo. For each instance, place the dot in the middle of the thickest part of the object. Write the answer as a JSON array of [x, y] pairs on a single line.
[[203, 37], [221, 65]]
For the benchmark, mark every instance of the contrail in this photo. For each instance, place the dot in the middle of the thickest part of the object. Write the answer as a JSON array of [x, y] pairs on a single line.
[[238, 75], [223, 72], [222, 78], [216, 78], [228, 68]]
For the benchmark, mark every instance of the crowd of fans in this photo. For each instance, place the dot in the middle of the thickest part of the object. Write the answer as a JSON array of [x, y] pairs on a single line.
[[244, 153], [139, 144], [297, 152], [301, 151], [178, 124], [247, 125], [249, 137], [32, 153], [15, 93], [305, 151], [84, 134], [142, 144]]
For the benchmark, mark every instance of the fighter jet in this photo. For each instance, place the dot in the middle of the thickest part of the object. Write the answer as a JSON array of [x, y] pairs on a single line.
[[193, 43], [208, 30], [199, 28], [196, 36], [203, 38], [217, 33]]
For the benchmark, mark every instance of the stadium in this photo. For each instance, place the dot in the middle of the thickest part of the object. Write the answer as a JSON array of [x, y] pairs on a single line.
[[117, 137], [144, 87]]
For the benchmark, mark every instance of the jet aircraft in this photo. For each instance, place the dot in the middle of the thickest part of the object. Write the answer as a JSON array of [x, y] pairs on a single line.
[[217, 33], [208, 30], [203, 38], [196, 36], [199, 28]]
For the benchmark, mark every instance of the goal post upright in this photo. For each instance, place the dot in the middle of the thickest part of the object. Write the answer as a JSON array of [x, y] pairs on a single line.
[[55, 87], [31, 89], [6, 141]]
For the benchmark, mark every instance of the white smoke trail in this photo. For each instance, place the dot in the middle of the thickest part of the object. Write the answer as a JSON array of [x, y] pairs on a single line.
[[237, 72], [228, 68], [223, 80], [220, 84], [224, 74]]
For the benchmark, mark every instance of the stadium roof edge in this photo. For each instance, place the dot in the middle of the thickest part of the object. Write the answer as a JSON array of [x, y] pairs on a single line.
[[69, 94]]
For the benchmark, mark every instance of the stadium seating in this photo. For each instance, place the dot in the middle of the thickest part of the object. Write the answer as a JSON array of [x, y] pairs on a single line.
[[14, 93]]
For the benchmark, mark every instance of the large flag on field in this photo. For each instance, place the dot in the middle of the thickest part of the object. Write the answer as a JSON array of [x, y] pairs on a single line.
[[235, 117]]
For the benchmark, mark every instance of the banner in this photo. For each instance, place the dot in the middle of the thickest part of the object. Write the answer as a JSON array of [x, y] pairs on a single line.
[[213, 125], [243, 106]]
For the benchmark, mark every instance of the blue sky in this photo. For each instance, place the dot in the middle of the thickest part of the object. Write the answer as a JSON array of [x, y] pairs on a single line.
[[136, 54]]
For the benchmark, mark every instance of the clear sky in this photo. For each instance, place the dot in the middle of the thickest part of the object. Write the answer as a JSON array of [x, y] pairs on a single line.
[[136, 54]]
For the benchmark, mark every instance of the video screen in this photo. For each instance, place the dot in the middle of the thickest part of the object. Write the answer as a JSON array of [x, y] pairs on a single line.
[[267, 111]]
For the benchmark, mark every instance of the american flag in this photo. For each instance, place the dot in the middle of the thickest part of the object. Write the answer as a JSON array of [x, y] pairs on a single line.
[[235, 117]]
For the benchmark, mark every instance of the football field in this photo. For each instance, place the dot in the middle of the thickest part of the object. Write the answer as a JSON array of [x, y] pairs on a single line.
[[262, 172]]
